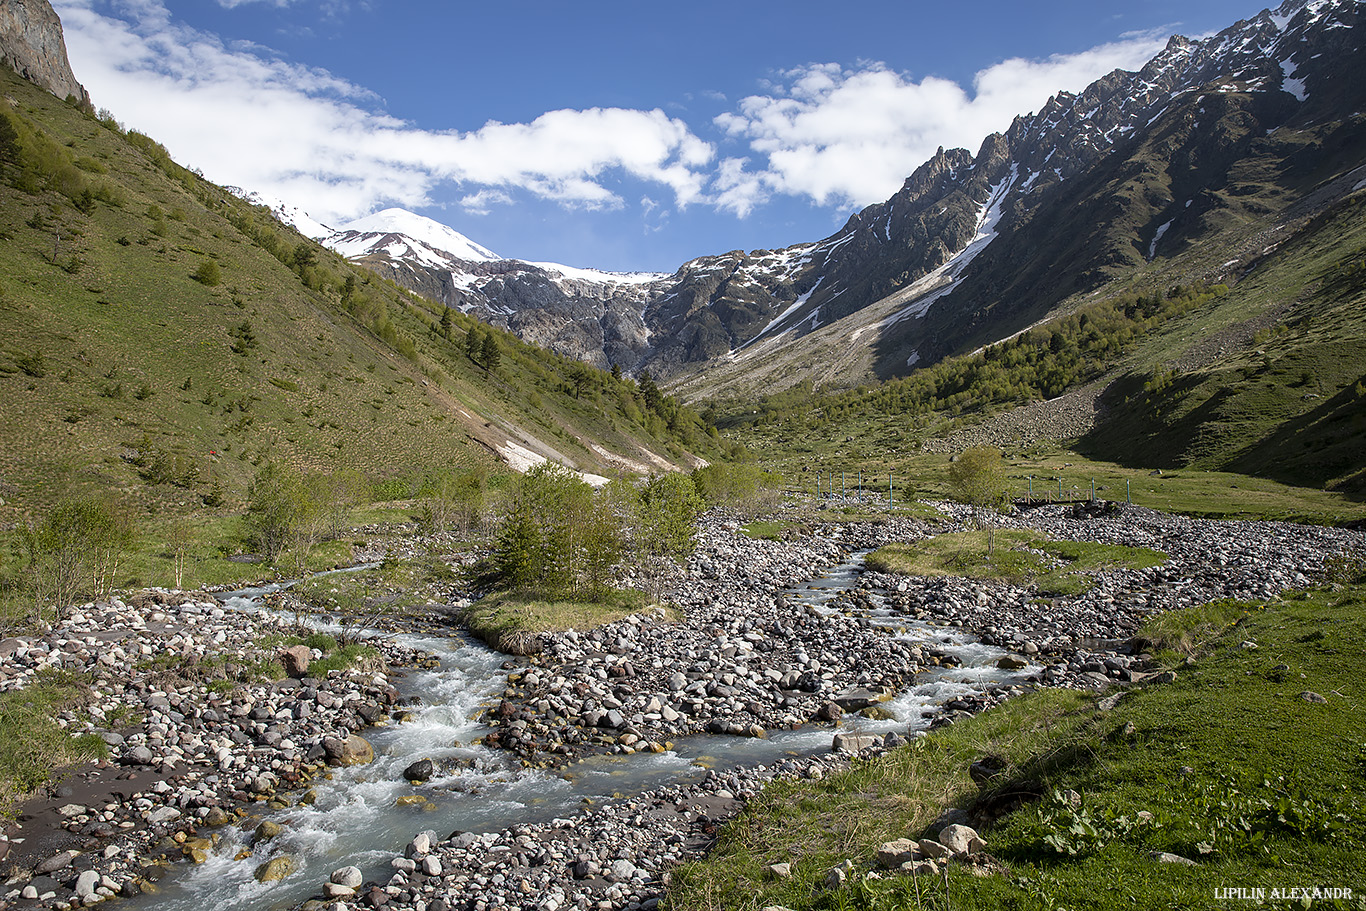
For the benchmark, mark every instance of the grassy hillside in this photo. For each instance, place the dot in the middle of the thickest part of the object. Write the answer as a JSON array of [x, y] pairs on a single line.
[[1273, 384], [163, 338]]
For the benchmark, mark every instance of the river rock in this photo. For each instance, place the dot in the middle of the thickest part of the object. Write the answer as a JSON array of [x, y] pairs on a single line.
[[419, 771], [86, 884], [857, 698], [265, 832], [354, 750], [351, 877], [296, 659], [138, 755], [275, 869], [57, 862], [849, 742]]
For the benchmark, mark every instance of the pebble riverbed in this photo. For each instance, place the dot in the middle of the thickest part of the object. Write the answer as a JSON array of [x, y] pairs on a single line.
[[747, 659]]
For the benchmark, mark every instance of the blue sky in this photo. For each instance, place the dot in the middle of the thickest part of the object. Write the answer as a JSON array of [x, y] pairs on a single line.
[[614, 135]]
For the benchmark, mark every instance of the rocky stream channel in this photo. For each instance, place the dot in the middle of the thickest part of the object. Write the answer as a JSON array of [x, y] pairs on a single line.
[[446, 776]]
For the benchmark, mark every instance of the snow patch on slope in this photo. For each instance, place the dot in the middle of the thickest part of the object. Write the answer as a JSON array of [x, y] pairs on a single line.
[[522, 460], [1289, 83], [796, 305], [602, 278], [988, 217], [293, 216]]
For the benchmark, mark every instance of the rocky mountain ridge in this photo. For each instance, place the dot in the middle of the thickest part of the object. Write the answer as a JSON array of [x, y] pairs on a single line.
[[1198, 104], [32, 45]]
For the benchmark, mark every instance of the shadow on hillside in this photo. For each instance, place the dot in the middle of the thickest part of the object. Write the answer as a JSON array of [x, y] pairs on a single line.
[[1135, 432], [1320, 447]]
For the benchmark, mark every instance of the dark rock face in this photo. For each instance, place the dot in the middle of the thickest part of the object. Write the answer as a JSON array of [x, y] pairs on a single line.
[[31, 44]]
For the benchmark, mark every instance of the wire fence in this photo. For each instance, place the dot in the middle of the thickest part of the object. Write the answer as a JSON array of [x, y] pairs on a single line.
[[856, 487]]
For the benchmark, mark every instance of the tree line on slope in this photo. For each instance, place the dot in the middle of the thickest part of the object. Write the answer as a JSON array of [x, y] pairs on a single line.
[[1039, 363]]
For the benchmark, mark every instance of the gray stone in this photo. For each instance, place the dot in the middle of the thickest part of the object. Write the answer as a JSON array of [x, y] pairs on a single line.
[[163, 815], [1311, 696], [961, 839], [620, 871], [893, 854], [57, 862], [351, 877], [86, 884], [1164, 857], [857, 698], [934, 849], [849, 742], [138, 755]]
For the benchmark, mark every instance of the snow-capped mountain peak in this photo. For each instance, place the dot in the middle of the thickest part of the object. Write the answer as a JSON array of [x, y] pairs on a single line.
[[356, 238]]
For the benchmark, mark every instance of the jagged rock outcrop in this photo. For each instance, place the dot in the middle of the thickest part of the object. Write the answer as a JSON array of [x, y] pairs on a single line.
[[32, 45]]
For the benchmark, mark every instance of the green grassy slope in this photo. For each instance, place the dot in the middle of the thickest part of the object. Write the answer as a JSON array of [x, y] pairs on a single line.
[[123, 365], [1271, 383]]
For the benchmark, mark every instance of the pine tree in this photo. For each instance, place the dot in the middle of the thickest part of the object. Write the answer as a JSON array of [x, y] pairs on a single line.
[[446, 323], [491, 354], [474, 344]]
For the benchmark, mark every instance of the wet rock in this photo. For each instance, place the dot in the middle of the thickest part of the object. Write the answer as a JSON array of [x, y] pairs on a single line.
[[354, 750], [266, 831], [275, 869], [856, 698], [419, 771]]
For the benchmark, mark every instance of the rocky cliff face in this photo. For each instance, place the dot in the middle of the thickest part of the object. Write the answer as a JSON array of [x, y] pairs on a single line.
[[31, 44]]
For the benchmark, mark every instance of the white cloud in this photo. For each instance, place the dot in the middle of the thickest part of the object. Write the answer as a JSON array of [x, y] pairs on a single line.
[[839, 136], [244, 117], [851, 136]]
